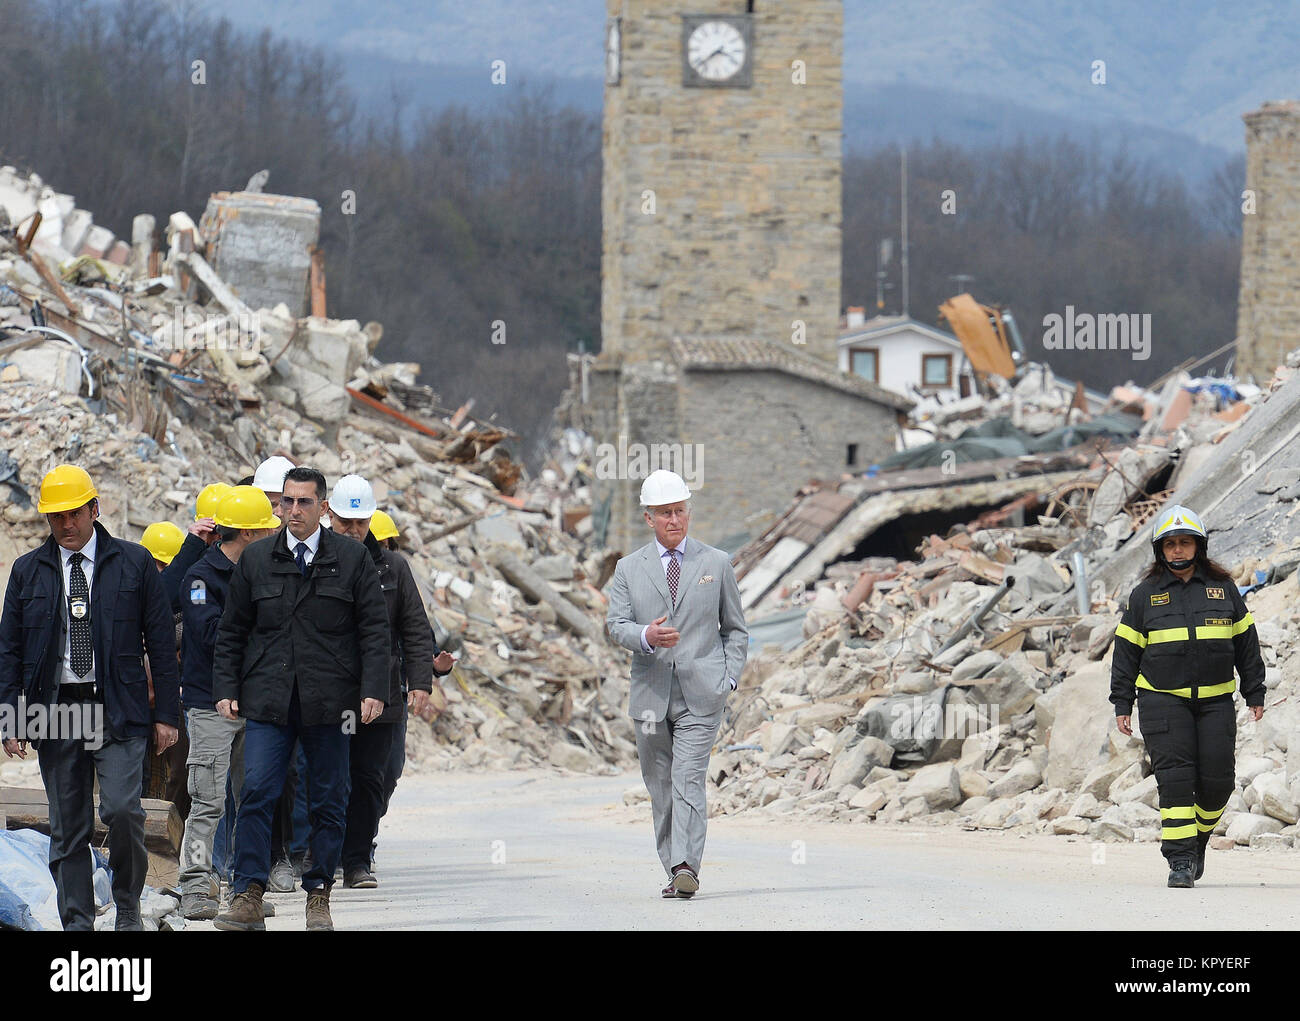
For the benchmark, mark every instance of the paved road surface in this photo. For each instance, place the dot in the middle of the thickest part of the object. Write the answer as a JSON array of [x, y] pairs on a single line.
[[570, 855]]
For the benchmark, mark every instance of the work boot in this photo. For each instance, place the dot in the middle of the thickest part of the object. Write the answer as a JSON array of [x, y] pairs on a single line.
[[128, 921], [318, 910], [268, 908], [281, 878], [197, 907], [1182, 873], [359, 879], [245, 912], [1202, 842]]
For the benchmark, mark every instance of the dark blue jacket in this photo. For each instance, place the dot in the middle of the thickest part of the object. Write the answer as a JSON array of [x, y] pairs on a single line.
[[204, 590], [130, 615], [191, 552]]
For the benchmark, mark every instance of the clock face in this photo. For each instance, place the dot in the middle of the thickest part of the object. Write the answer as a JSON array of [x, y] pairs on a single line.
[[716, 50]]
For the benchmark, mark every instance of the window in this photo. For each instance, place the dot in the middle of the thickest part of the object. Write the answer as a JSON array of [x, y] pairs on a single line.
[[936, 370], [851, 458], [865, 362]]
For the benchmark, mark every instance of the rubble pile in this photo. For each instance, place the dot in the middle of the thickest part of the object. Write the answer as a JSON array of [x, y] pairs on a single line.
[[970, 686], [147, 368]]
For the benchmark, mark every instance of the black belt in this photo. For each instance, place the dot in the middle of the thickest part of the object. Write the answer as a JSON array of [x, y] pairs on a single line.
[[78, 693]]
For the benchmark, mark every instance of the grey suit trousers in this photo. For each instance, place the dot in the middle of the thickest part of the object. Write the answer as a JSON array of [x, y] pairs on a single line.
[[69, 769], [674, 758]]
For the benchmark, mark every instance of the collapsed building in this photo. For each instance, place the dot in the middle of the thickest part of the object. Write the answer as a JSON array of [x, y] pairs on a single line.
[[957, 670], [161, 368]]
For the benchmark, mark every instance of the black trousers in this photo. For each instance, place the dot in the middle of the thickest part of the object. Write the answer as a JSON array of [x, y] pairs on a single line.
[[1192, 743], [371, 746], [396, 759]]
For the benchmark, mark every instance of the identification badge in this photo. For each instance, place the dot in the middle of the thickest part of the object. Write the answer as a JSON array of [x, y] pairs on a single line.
[[1213, 593], [1160, 599], [78, 607], [198, 593], [1220, 621]]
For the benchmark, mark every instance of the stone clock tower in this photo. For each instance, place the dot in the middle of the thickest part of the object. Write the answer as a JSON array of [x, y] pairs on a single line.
[[720, 266], [721, 205]]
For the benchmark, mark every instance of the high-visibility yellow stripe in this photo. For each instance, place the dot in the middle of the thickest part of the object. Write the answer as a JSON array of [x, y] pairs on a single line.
[[1213, 631], [1242, 625], [1177, 832], [1208, 691], [1131, 635], [1206, 814], [1167, 634], [1206, 827], [1181, 812]]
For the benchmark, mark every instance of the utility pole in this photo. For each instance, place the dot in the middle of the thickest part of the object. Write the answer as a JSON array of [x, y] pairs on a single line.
[[903, 159]]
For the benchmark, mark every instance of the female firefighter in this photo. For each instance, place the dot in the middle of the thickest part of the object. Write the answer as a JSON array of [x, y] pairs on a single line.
[[1185, 629]]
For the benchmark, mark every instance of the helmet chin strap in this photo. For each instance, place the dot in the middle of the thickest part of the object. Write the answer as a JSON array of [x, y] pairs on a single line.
[[1179, 565]]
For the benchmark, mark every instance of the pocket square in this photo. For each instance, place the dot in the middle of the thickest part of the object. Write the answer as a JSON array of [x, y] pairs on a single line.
[[706, 579]]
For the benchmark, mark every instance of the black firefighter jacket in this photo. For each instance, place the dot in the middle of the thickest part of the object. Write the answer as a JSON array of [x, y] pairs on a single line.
[[130, 615], [327, 631], [1185, 638], [411, 650]]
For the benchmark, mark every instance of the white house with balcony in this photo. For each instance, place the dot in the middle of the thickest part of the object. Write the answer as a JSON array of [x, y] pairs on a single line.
[[905, 356]]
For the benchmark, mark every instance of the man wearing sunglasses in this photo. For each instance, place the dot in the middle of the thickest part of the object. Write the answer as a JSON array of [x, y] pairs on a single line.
[[301, 654]]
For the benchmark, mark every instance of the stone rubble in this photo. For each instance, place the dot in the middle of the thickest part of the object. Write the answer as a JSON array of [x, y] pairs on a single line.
[[1023, 737], [158, 379]]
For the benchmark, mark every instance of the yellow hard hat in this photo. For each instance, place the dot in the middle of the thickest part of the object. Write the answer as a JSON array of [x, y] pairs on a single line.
[[65, 487], [382, 526], [163, 540], [206, 505], [245, 507]]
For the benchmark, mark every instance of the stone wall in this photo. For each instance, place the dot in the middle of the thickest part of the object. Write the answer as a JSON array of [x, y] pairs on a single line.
[[765, 434], [745, 233], [1268, 311]]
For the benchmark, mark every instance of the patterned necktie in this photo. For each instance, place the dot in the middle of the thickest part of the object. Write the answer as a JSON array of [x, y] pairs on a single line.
[[674, 572], [301, 557], [79, 626]]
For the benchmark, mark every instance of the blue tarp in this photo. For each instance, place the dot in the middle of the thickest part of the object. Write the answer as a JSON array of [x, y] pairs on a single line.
[[27, 896]]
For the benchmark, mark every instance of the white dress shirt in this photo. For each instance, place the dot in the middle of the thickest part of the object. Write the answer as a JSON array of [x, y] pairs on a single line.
[[312, 541], [88, 551]]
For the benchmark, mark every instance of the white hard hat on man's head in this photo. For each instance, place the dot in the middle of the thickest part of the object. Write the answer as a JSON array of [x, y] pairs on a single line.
[[663, 487], [269, 477], [353, 497]]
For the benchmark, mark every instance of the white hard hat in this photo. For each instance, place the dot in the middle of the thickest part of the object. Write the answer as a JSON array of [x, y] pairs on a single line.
[[352, 498], [663, 487], [269, 477]]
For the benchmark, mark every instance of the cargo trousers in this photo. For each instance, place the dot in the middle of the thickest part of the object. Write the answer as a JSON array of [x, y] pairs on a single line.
[[1192, 743]]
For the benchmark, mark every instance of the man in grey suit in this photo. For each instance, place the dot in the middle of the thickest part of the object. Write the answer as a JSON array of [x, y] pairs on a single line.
[[686, 661]]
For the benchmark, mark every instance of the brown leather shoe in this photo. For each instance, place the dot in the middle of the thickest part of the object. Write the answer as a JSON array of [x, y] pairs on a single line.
[[245, 912], [318, 910]]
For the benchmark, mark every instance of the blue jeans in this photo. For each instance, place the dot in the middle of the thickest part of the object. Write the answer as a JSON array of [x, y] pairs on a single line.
[[267, 747], [302, 798]]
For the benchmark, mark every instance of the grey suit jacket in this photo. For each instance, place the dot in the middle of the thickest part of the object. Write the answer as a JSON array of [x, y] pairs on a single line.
[[714, 642]]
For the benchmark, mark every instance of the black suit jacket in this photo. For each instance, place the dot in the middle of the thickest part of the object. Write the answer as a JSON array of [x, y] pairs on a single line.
[[130, 616]]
